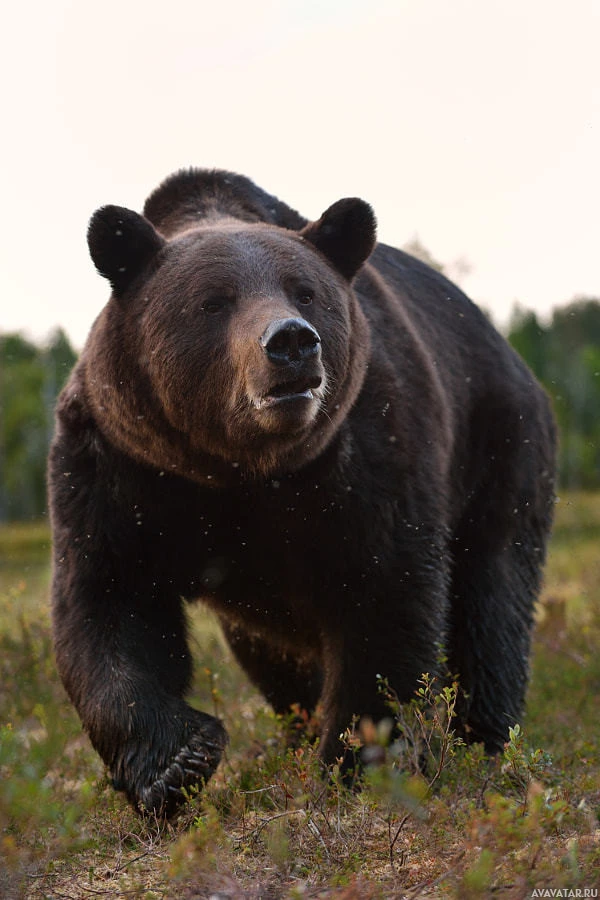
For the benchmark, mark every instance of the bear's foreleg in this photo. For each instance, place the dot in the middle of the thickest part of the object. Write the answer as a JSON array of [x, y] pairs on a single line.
[[126, 667], [120, 629]]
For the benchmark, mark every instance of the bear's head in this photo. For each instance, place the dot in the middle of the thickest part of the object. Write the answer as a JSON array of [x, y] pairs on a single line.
[[230, 344]]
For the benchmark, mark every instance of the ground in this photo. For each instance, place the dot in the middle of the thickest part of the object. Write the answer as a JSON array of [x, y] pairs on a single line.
[[268, 825]]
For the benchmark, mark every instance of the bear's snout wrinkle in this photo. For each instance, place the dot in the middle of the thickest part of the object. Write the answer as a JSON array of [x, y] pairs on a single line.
[[290, 340]]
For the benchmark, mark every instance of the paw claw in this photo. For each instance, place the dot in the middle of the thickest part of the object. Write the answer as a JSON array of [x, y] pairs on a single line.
[[174, 790], [212, 745]]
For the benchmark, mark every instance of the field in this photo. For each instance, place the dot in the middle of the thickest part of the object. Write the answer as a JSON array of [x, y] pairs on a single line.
[[434, 819]]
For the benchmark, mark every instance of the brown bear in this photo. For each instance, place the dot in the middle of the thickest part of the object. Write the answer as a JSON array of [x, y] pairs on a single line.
[[320, 437]]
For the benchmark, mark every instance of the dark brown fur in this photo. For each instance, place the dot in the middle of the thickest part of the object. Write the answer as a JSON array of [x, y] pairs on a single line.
[[346, 505]]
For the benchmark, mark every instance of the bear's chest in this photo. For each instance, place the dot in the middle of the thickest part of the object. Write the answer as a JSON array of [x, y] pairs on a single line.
[[273, 557]]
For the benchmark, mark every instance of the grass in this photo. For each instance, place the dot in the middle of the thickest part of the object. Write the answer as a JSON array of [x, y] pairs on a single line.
[[269, 825]]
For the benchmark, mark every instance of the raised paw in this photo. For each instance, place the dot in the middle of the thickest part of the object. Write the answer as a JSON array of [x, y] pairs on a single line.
[[190, 768]]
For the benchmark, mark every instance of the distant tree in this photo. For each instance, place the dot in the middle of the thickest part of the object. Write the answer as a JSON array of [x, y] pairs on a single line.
[[578, 323], [565, 356], [456, 270], [530, 339], [417, 249], [15, 349], [30, 380]]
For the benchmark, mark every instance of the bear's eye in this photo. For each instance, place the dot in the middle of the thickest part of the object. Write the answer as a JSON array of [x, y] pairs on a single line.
[[214, 305], [305, 296]]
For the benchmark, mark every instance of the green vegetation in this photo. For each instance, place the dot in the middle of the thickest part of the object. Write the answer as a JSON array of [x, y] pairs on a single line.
[[433, 818]]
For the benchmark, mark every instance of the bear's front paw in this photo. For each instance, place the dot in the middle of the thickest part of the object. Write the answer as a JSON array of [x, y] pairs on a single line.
[[190, 768]]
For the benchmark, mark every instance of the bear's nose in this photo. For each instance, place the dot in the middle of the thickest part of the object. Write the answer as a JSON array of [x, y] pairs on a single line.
[[290, 340]]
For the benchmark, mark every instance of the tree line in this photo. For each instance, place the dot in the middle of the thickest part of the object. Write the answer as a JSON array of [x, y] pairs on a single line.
[[563, 353], [31, 377], [565, 356]]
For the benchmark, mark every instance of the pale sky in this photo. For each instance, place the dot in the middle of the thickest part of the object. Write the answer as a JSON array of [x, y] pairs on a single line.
[[473, 125]]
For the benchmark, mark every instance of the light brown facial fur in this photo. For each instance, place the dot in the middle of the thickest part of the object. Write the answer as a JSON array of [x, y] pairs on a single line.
[[196, 335]]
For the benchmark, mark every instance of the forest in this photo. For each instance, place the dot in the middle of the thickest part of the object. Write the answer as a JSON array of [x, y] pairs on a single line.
[[564, 354]]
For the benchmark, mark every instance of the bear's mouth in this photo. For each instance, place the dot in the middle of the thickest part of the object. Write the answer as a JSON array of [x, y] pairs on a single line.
[[290, 391]]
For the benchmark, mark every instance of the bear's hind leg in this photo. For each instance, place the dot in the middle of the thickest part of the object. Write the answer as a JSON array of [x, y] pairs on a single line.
[[493, 597], [283, 679]]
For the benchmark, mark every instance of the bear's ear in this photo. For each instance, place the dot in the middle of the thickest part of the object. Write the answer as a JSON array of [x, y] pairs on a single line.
[[121, 243], [346, 234]]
